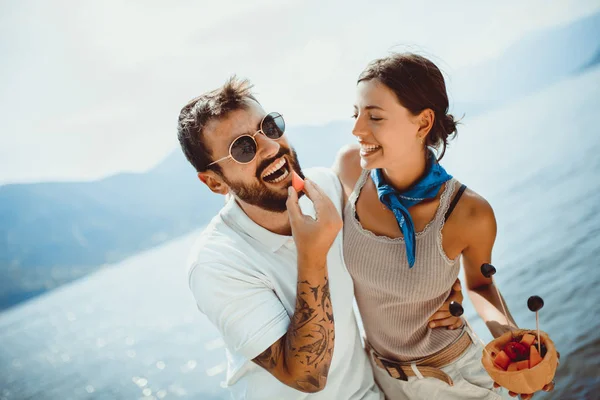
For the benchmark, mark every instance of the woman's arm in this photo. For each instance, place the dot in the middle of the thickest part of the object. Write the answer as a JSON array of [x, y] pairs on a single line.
[[480, 235]]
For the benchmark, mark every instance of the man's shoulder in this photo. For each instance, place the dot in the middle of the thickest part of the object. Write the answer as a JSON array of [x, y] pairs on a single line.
[[216, 246], [326, 179]]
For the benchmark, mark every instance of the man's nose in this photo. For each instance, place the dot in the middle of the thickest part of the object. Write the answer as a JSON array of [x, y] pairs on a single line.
[[267, 148]]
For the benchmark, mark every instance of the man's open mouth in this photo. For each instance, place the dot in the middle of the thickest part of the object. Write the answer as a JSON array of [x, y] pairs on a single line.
[[277, 171]]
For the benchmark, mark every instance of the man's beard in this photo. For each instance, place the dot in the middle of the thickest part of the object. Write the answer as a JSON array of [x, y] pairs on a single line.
[[258, 194]]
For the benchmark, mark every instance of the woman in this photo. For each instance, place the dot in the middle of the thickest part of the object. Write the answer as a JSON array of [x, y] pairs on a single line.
[[405, 231]]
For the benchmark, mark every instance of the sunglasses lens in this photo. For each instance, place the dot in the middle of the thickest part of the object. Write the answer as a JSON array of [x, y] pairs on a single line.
[[273, 126], [243, 149]]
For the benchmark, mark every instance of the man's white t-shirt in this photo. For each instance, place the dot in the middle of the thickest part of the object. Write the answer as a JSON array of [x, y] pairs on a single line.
[[244, 279]]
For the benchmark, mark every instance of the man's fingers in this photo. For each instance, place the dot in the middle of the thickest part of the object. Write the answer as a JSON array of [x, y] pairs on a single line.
[[312, 191], [323, 205], [456, 287], [325, 210], [319, 189], [450, 321], [457, 325], [440, 315], [292, 205]]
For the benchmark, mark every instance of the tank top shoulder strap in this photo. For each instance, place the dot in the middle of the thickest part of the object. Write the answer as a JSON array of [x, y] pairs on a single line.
[[358, 187], [445, 201], [455, 200]]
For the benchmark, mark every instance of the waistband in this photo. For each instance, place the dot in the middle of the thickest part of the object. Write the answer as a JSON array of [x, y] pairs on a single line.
[[425, 367]]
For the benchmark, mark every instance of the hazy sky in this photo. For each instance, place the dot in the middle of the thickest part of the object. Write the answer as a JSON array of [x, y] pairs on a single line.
[[90, 88]]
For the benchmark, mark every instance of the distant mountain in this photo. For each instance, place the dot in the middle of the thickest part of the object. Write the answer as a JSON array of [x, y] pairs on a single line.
[[52, 233]]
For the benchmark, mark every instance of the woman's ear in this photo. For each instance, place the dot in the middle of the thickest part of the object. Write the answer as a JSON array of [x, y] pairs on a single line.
[[214, 182], [426, 119]]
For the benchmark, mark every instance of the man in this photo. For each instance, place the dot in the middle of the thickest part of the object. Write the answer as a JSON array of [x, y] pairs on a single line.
[[268, 269]]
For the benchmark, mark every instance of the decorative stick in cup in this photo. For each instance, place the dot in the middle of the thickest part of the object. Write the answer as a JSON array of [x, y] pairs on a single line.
[[511, 365], [488, 270], [535, 304], [456, 309]]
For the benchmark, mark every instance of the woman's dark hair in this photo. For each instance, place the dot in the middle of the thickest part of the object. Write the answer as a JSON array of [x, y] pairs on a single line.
[[418, 84]]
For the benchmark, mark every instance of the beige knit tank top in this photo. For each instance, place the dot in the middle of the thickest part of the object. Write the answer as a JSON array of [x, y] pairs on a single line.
[[395, 301]]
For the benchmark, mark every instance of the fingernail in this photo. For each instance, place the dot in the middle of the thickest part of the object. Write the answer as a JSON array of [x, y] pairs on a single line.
[[290, 190], [451, 327], [432, 325]]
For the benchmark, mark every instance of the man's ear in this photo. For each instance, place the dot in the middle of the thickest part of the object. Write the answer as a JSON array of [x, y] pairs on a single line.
[[426, 119], [214, 182]]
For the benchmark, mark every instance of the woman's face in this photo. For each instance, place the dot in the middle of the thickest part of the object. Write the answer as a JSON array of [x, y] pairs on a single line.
[[388, 133]]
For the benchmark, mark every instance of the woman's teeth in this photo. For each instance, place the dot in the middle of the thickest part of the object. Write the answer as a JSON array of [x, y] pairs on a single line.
[[368, 149]]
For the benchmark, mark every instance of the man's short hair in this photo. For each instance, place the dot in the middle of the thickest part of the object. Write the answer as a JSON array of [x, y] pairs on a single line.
[[198, 112]]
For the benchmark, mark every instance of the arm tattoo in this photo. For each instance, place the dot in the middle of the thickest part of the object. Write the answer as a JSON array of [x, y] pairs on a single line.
[[307, 348]]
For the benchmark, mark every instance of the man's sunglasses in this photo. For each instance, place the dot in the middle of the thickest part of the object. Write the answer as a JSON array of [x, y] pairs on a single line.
[[244, 148]]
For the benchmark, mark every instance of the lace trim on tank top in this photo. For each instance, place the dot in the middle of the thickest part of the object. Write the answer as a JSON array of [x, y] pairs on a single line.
[[439, 215]]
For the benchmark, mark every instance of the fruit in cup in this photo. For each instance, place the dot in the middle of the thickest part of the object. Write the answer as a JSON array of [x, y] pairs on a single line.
[[520, 354], [531, 377], [516, 351], [534, 358], [502, 360], [528, 339], [522, 365]]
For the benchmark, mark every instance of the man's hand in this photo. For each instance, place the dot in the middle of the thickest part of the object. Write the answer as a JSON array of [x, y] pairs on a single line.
[[313, 237], [442, 317], [302, 357]]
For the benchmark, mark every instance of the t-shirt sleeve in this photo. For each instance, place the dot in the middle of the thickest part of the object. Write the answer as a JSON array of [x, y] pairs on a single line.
[[247, 313]]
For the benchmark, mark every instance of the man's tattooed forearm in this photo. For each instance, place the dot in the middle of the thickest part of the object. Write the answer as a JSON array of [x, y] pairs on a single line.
[[318, 337], [307, 347], [269, 358]]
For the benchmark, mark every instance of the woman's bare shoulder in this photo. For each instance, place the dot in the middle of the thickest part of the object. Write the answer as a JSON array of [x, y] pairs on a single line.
[[475, 212], [347, 165]]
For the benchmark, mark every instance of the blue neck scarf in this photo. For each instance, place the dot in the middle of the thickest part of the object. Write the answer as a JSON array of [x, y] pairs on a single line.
[[399, 202]]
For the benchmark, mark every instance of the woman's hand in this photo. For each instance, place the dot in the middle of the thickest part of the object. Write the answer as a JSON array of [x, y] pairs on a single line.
[[548, 388]]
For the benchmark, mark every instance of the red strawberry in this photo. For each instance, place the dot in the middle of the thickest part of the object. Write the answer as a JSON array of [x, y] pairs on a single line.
[[509, 349], [516, 351]]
